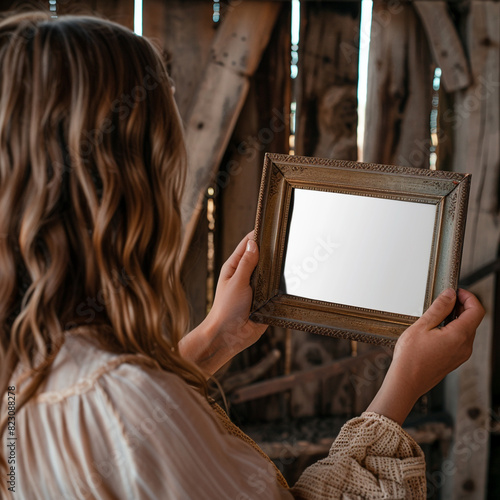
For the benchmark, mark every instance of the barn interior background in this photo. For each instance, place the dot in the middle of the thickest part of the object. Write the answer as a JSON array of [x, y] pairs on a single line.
[[296, 77]]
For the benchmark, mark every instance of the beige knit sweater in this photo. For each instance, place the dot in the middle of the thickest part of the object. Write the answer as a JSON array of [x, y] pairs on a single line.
[[105, 429]]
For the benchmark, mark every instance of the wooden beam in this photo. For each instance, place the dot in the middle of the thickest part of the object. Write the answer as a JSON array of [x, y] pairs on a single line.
[[235, 55], [251, 373], [194, 272], [445, 44], [468, 400], [474, 119], [399, 99], [327, 80], [430, 432], [262, 126], [423, 434], [184, 31], [287, 382]]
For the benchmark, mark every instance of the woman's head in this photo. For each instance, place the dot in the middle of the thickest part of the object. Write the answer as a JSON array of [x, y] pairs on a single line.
[[91, 169]]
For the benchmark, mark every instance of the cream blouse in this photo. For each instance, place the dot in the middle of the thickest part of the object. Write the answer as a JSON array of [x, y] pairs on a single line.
[[105, 429]]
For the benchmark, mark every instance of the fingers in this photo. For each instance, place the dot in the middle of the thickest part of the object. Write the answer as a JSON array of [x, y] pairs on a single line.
[[471, 313], [438, 310], [247, 262], [230, 266]]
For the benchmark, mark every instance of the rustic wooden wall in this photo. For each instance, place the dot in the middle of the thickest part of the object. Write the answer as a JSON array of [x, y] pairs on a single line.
[[462, 38], [328, 80], [234, 92], [399, 102], [471, 124], [399, 88], [211, 65], [185, 31], [236, 51], [263, 126]]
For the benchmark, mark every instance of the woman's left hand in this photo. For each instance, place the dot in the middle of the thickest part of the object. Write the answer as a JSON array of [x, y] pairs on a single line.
[[227, 330]]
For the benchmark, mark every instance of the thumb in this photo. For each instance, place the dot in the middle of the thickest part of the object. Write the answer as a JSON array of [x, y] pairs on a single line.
[[247, 262], [438, 310]]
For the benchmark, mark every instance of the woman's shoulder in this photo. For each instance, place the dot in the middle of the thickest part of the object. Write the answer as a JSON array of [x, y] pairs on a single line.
[[83, 367], [90, 384], [141, 432]]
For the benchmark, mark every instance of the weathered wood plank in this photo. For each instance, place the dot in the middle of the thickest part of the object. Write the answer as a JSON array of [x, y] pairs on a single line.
[[327, 80], [120, 11], [286, 382], [423, 434], [399, 96], [468, 399], [367, 377], [262, 126], [475, 128], [252, 373], [235, 55], [445, 44], [184, 31]]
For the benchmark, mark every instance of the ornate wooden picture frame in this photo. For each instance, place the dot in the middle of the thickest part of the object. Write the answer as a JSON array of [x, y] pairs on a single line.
[[447, 191]]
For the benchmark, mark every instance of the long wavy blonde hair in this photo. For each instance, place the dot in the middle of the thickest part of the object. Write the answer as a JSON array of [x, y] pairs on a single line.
[[92, 164]]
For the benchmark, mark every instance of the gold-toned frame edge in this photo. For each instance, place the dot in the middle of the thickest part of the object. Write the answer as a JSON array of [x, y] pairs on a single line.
[[291, 165]]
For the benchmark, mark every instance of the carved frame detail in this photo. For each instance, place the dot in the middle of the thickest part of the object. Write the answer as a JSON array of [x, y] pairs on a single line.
[[449, 191]]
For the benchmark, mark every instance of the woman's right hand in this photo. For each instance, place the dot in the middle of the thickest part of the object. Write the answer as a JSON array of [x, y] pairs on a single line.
[[425, 353]]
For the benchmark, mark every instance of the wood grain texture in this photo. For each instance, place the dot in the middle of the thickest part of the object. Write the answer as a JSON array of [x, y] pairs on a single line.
[[445, 44], [184, 32], [327, 80], [235, 54], [468, 399], [194, 273], [399, 88], [262, 126], [285, 382], [473, 120]]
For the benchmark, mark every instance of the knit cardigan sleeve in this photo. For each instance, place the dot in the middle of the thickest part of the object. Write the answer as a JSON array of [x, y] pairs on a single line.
[[372, 458]]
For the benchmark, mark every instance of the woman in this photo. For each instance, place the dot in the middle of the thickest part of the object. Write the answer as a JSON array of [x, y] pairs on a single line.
[[102, 398]]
